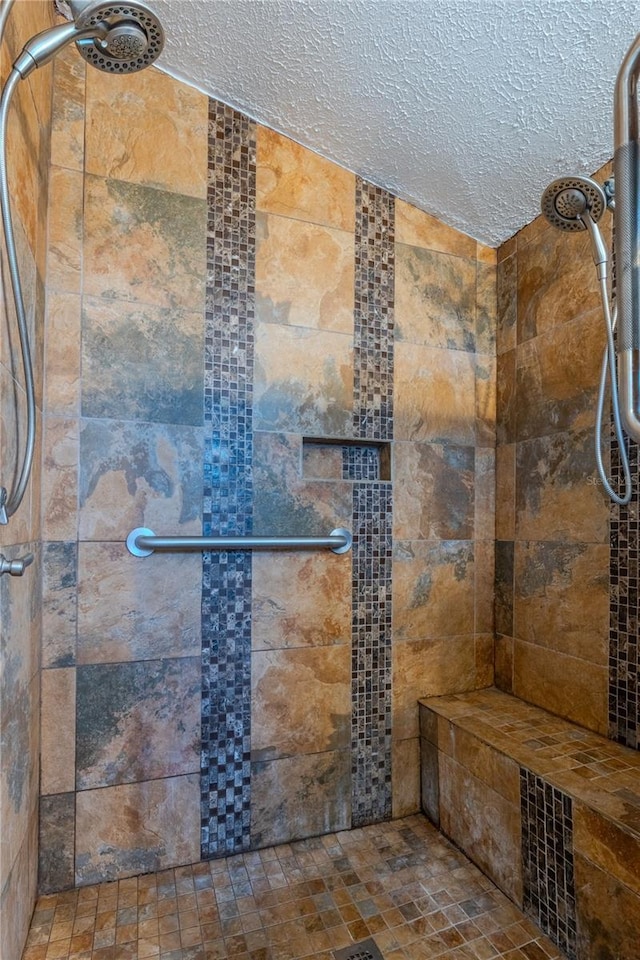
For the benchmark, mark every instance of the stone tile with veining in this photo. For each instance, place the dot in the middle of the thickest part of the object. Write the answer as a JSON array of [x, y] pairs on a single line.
[[436, 497], [432, 588], [129, 362], [137, 721], [143, 244], [435, 298], [304, 274], [434, 394]]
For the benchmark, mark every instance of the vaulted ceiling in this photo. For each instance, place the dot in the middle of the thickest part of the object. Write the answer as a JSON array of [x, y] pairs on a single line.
[[467, 108]]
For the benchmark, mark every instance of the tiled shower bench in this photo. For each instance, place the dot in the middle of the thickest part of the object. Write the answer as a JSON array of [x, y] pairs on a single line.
[[548, 810]]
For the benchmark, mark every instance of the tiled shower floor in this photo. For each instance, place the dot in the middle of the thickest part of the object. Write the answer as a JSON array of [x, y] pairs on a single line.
[[400, 883]]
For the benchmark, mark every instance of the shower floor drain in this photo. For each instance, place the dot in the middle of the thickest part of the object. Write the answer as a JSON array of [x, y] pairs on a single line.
[[365, 950]]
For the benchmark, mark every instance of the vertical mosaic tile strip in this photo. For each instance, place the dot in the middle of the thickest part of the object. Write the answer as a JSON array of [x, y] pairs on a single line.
[[547, 857], [624, 590], [374, 302], [371, 653], [228, 494], [372, 505]]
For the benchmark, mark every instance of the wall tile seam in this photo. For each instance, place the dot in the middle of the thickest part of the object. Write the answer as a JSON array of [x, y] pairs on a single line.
[[440, 252], [267, 214]]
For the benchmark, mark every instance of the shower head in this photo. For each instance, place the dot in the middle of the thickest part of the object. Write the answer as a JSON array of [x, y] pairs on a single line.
[[567, 201], [577, 203], [114, 37]]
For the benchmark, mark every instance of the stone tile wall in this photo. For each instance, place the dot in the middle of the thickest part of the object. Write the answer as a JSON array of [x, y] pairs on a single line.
[[158, 414], [20, 599], [552, 517]]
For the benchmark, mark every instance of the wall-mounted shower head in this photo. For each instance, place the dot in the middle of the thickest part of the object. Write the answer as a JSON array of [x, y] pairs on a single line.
[[114, 37], [577, 203], [567, 199]]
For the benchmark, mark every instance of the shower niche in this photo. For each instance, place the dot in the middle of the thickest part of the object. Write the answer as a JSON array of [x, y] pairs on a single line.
[[332, 459]]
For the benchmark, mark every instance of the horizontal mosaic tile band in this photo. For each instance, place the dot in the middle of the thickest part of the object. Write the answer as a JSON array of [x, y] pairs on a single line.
[[228, 491], [547, 857]]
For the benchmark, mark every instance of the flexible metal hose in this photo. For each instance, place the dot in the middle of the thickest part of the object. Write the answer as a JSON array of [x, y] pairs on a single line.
[[15, 496], [609, 367]]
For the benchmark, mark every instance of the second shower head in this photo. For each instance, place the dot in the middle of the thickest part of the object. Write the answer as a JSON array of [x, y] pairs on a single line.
[[567, 201]]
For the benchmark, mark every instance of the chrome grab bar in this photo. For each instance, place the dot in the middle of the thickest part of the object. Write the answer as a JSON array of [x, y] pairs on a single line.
[[142, 542], [15, 568]]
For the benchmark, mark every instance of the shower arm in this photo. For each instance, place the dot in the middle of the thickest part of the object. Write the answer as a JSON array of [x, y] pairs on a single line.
[[626, 155]]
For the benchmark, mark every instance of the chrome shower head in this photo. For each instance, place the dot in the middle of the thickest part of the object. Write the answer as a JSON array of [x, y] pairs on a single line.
[[567, 200], [114, 37], [577, 203], [133, 40]]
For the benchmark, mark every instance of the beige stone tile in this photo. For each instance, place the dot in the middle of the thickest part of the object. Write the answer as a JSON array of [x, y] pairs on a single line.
[[304, 274], [301, 701], [608, 914], [434, 394], [488, 255], [561, 597], [506, 303], [58, 731], [492, 768], [428, 668], [420, 229], [132, 608], [60, 479], [504, 663], [435, 299], [147, 128], [485, 825], [564, 685], [18, 897], [303, 381], [59, 604], [508, 248], [485, 564], [556, 498], [137, 827], [68, 110], [137, 474], [434, 498], [62, 369], [505, 491], [66, 229], [405, 766], [300, 796], [144, 244], [556, 281], [137, 721], [611, 849], [557, 377], [295, 182], [486, 307], [485, 494], [300, 600], [433, 589], [486, 401]]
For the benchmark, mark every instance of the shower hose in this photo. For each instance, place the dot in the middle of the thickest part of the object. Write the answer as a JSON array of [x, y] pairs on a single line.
[[609, 370]]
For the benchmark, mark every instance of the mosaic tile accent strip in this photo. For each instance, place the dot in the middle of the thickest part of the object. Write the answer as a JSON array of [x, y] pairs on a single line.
[[372, 504], [371, 653], [360, 463], [547, 856], [228, 493], [374, 303], [624, 592]]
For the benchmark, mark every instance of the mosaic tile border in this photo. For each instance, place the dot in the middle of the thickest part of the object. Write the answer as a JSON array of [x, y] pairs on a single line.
[[372, 505], [624, 609], [547, 860], [228, 491], [371, 655], [374, 312]]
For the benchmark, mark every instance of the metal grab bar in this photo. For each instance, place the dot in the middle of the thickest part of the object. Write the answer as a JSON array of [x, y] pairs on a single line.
[[142, 542]]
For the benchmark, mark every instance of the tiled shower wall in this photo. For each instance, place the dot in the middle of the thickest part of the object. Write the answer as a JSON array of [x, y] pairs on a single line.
[[28, 151], [356, 309], [552, 516]]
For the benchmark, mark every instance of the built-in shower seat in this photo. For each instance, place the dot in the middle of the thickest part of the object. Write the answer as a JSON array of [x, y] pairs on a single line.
[[550, 811]]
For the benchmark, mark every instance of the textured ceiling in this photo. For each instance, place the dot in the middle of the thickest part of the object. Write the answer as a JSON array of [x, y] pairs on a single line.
[[467, 108]]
